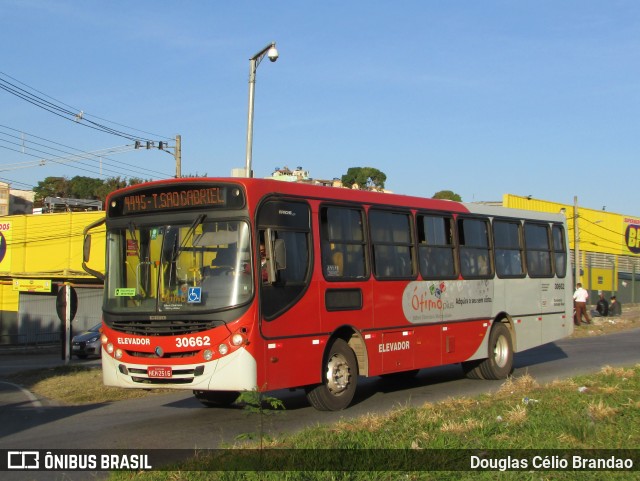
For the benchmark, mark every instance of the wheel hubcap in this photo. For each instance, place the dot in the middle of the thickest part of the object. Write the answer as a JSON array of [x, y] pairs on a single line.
[[338, 374], [501, 352]]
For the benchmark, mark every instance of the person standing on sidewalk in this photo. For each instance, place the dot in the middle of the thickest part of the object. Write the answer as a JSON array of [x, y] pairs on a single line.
[[580, 297]]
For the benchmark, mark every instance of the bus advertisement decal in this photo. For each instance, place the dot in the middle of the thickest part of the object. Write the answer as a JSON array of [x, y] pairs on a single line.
[[437, 301]]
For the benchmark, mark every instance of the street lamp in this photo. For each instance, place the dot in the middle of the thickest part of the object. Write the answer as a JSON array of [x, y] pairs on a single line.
[[272, 53]]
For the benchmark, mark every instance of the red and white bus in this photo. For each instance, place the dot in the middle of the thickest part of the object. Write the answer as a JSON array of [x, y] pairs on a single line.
[[351, 283]]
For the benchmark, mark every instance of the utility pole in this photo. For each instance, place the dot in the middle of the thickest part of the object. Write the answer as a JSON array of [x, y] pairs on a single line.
[[177, 151], [178, 156], [576, 240]]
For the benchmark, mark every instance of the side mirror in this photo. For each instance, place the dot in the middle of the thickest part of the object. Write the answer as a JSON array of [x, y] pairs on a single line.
[[86, 248]]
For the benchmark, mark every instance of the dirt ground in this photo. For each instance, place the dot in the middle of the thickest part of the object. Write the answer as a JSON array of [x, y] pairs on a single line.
[[629, 319]]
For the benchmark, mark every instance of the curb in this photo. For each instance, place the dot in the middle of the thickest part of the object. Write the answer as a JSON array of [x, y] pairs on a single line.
[[29, 350]]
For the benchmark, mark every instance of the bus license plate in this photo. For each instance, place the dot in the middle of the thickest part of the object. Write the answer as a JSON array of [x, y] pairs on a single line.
[[159, 371]]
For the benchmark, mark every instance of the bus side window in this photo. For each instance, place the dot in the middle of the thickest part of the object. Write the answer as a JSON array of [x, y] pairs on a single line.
[[435, 246], [538, 249], [560, 254], [392, 241], [475, 249], [507, 237], [342, 242]]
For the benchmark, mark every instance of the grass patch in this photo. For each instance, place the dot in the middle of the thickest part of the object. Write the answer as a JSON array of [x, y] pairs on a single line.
[[600, 411], [75, 385]]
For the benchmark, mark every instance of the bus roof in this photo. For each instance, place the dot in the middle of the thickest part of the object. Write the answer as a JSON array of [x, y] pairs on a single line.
[[258, 188]]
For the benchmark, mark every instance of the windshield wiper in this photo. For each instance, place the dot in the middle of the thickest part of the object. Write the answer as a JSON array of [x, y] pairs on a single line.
[[198, 221]]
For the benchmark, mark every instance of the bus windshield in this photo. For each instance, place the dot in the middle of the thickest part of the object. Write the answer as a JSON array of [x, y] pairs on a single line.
[[196, 267]]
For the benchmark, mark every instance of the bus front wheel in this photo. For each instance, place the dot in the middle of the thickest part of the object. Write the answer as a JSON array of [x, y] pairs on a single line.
[[499, 364], [339, 379]]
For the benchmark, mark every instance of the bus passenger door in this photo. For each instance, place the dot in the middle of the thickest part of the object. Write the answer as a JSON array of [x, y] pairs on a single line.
[[288, 306]]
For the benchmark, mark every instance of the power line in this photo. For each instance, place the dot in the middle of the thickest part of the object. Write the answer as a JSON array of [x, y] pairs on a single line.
[[85, 114], [91, 156], [10, 181], [600, 226], [74, 115], [603, 242], [53, 160], [44, 105]]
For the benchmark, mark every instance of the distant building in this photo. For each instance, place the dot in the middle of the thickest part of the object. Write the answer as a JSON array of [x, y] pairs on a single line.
[[335, 182], [21, 201], [301, 175], [4, 198], [288, 175]]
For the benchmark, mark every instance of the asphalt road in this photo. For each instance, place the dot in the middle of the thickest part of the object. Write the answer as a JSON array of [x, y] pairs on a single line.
[[177, 420]]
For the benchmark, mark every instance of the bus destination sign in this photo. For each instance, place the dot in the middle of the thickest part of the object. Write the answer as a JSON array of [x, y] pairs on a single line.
[[177, 198], [173, 200]]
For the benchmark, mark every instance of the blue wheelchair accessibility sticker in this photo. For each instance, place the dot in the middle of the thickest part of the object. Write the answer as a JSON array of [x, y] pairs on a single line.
[[194, 295]]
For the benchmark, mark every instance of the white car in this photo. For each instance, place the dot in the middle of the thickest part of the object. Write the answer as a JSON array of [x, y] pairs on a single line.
[[87, 343]]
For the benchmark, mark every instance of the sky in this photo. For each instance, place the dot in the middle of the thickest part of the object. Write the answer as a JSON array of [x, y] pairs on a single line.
[[482, 98]]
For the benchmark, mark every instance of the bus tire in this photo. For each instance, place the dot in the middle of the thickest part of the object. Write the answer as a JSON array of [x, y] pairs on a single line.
[[499, 364], [472, 369], [339, 379], [212, 399]]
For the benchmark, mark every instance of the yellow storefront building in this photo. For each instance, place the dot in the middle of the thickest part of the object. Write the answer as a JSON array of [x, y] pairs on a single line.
[[38, 255], [607, 246]]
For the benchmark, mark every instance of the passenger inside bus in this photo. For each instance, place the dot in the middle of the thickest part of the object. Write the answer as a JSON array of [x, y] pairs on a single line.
[[264, 273], [224, 262], [337, 262], [333, 260]]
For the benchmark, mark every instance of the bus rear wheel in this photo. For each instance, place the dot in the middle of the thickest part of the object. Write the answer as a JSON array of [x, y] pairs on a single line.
[[339, 379], [213, 399], [499, 364]]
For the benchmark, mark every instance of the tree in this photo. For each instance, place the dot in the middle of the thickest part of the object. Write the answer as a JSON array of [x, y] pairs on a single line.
[[136, 181], [84, 187], [81, 187], [367, 178], [51, 187], [447, 194], [108, 186]]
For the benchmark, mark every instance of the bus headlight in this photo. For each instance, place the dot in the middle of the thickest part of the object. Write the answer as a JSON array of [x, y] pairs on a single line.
[[207, 354], [223, 349], [110, 348], [118, 354], [104, 339], [237, 339]]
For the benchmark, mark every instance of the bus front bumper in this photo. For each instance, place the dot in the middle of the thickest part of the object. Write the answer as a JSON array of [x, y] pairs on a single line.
[[234, 372]]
